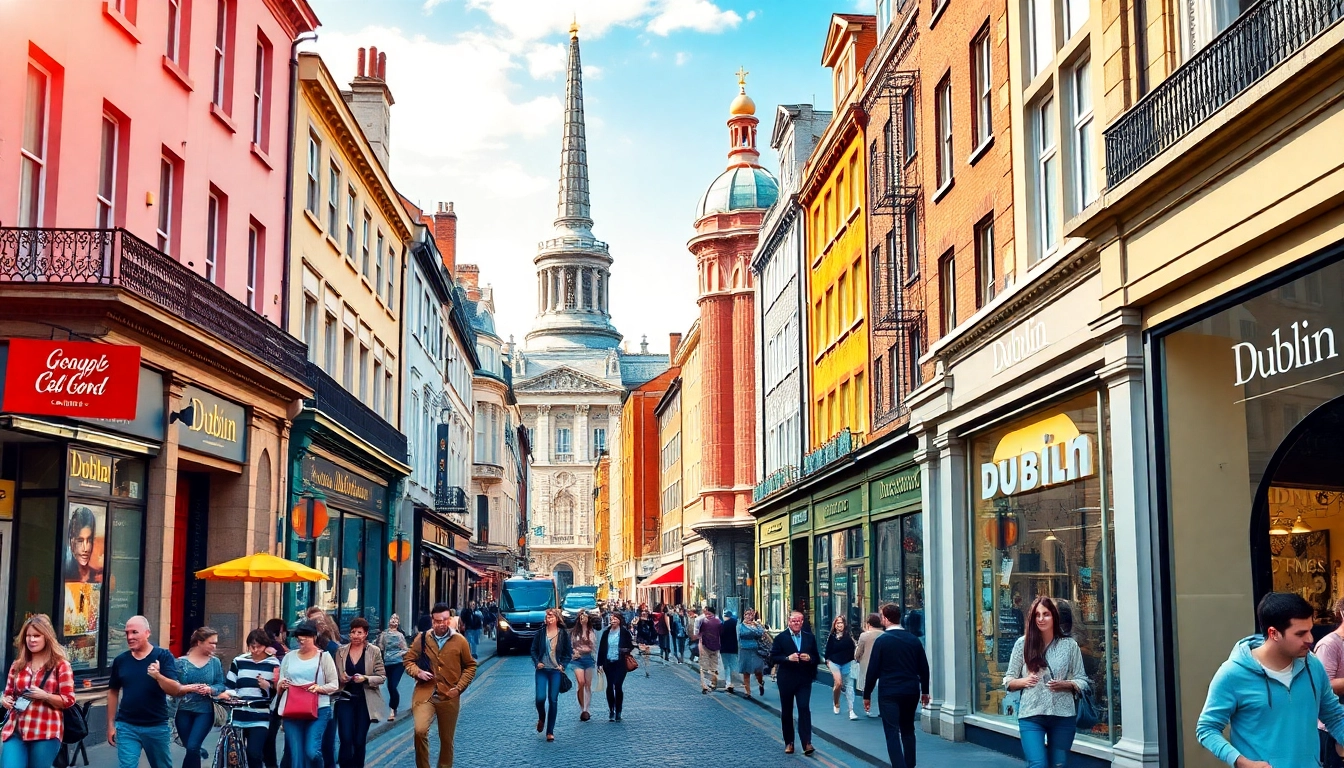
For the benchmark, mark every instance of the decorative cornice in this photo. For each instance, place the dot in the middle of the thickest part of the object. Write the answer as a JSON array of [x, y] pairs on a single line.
[[843, 128]]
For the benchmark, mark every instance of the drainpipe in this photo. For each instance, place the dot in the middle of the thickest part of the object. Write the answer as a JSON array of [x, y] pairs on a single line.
[[289, 172]]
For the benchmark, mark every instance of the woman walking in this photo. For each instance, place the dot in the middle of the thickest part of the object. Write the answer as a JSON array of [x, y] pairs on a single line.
[[662, 627], [40, 685], [583, 642], [309, 669], [645, 635], [1047, 667], [872, 629], [278, 635], [359, 667], [551, 652], [616, 644], [392, 644], [253, 676], [678, 619], [840, 660], [202, 679], [750, 633]]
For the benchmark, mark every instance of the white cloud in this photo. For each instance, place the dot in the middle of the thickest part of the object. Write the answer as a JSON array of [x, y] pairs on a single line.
[[592, 72], [699, 15], [546, 61], [682, 57], [429, 5], [751, 15], [535, 19]]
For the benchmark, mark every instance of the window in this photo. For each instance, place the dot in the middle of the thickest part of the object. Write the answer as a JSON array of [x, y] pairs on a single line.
[[310, 325], [255, 242], [563, 441], [348, 363], [107, 173], [166, 190], [908, 125], [1085, 187], [883, 18], [350, 222], [1047, 179], [912, 241], [223, 60], [33, 153], [599, 441], [1042, 34], [215, 218], [368, 223], [389, 391], [985, 281], [174, 48], [947, 292], [377, 388], [364, 373], [333, 198], [378, 267], [982, 110], [943, 123], [915, 375], [391, 277], [314, 168], [329, 337], [1075, 16], [261, 92]]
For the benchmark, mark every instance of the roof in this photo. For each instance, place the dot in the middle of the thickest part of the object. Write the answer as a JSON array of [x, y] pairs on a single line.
[[640, 369], [739, 188]]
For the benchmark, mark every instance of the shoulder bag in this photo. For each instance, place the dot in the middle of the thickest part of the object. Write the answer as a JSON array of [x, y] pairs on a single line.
[[74, 726], [1085, 710], [631, 663], [303, 706], [765, 644], [565, 683]]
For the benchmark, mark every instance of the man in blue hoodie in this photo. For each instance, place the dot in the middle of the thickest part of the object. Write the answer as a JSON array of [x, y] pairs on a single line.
[[1271, 690]]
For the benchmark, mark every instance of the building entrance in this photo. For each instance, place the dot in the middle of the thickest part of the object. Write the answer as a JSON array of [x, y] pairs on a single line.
[[6, 542], [800, 568]]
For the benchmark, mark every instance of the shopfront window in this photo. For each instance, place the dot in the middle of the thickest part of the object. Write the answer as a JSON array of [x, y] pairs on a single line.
[[695, 578], [123, 574], [849, 584], [351, 552], [1042, 526], [821, 555], [773, 579], [899, 560]]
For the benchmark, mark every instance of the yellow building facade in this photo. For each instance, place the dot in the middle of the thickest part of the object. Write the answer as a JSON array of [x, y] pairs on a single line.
[[602, 525]]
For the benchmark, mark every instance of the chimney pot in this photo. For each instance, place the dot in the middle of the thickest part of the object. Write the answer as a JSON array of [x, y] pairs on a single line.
[[373, 62], [359, 64], [382, 66], [445, 236], [673, 341], [450, 206]]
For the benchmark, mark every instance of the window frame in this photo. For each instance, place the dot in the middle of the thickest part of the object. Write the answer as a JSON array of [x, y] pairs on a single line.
[[106, 192], [261, 102], [986, 280], [910, 135], [368, 224], [313, 198], [255, 244], [220, 94], [216, 222], [1046, 153], [943, 131], [982, 95], [37, 191], [333, 197], [164, 230], [1083, 125], [173, 42], [910, 248], [947, 292], [350, 222]]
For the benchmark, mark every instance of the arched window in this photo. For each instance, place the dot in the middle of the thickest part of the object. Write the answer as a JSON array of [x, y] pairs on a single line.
[[564, 514]]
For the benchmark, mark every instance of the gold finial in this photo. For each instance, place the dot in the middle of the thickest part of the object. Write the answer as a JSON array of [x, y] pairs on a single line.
[[574, 28], [742, 79]]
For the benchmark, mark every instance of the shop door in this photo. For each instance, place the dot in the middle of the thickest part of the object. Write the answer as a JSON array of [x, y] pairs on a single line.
[[191, 528], [6, 537], [801, 570]]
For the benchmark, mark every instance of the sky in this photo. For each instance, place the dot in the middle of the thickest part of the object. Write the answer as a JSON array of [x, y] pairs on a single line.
[[479, 91]]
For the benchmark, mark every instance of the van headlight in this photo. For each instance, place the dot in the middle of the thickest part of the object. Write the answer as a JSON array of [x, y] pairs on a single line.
[[504, 625]]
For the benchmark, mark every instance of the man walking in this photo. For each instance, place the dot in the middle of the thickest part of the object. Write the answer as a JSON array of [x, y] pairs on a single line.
[[441, 663], [473, 622], [710, 645], [795, 654], [728, 649], [141, 681], [899, 669], [1271, 690]]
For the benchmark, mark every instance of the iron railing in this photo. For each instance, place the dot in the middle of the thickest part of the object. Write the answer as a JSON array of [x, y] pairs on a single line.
[[775, 481], [115, 257], [844, 443], [450, 498], [332, 399], [1263, 37]]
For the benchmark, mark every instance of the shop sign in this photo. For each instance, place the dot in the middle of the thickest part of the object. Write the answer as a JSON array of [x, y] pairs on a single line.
[[89, 473], [79, 379], [1064, 456], [6, 499], [344, 489], [839, 508], [218, 426], [1281, 355], [149, 419], [798, 519], [775, 529], [895, 489], [1022, 342], [433, 533]]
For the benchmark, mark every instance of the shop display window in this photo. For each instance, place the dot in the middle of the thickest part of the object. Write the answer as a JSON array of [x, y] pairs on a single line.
[[842, 584], [695, 578], [899, 560], [1042, 525], [344, 550], [123, 575], [773, 578]]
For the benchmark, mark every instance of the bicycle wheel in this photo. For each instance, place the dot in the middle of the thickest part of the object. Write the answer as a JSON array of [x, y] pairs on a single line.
[[231, 751]]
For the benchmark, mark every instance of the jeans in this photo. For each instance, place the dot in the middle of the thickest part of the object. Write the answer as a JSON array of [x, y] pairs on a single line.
[[193, 728], [548, 691], [1039, 729], [254, 739], [801, 692], [680, 642], [394, 672], [730, 665], [303, 740], [1329, 757], [615, 672], [152, 739], [329, 742], [846, 682], [473, 640], [269, 749], [18, 753], [664, 645], [898, 725], [352, 721]]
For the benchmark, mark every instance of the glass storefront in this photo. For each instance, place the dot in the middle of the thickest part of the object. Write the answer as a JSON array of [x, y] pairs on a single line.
[[351, 590], [695, 579], [899, 561], [842, 584], [1042, 525], [774, 578]]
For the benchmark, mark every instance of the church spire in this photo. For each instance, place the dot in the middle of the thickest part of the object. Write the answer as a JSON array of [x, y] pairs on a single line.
[[574, 211]]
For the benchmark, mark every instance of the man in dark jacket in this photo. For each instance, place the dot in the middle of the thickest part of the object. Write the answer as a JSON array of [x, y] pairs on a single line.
[[795, 653], [473, 622], [711, 643], [728, 648], [899, 670]]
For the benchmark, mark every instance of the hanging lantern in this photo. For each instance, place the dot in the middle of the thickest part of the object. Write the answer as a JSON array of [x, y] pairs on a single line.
[[399, 551], [308, 518], [1002, 530]]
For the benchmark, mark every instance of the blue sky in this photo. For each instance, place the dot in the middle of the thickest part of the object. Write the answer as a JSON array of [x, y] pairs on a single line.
[[479, 88]]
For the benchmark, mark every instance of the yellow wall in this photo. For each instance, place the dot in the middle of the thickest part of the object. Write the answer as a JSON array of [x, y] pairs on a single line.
[[838, 299], [602, 522], [323, 275], [692, 423]]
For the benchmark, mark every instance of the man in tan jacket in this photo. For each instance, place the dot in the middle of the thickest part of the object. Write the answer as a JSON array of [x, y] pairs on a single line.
[[440, 662]]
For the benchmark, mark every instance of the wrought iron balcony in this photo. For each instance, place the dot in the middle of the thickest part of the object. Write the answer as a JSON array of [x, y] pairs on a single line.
[[1259, 40], [450, 498], [116, 258], [838, 447], [775, 481], [893, 185], [332, 399]]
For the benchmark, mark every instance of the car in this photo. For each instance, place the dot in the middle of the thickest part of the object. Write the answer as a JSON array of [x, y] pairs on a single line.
[[579, 599], [522, 612]]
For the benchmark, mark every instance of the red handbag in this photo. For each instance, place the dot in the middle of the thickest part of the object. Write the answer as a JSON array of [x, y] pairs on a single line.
[[301, 703]]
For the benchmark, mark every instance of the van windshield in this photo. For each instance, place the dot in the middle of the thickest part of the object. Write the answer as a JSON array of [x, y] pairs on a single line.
[[576, 599], [529, 597]]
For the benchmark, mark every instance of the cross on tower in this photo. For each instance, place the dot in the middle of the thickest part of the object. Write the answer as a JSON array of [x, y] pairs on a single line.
[[742, 78]]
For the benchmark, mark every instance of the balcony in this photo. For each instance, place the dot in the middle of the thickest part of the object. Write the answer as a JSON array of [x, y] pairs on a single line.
[[1259, 40], [775, 481], [116, 258], [487, 474], [450, 499], [332, 399], [838, 447]]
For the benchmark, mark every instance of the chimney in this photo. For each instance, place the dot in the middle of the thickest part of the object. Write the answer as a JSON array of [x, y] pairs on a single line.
[[469, 277], [673, 341], [643, 345], [371, 101], [445, 236]]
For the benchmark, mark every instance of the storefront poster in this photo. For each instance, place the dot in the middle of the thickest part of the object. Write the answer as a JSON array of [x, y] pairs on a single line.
[[88, 473], [79, 379], [85, 532]]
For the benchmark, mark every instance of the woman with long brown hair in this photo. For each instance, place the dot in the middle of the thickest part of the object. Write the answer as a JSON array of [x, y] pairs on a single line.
[[840, 660], [551, 653], [202, 677], [1047, 667], [583, 641], [40, 685]]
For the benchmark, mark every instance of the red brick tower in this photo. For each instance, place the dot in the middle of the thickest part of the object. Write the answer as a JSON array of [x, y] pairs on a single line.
[[727, 225]]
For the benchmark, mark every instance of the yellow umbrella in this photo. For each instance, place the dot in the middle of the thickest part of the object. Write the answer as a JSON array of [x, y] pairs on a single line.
[[261, 567]]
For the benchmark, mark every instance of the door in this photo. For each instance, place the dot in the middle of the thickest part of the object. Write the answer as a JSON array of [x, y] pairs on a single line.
[[801, 571], [6, 537]]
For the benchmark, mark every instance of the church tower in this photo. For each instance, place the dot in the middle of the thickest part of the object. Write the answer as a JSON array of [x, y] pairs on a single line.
[[573, 266]]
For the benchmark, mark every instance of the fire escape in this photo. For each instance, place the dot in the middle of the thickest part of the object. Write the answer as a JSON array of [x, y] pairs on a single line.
[[897, 300]]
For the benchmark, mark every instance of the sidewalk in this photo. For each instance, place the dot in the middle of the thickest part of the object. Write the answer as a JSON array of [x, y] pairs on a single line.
[[863, 738], [104, 755]]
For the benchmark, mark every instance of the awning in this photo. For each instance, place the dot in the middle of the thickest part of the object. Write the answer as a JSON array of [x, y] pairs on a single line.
[[448, 554], [667, 576]]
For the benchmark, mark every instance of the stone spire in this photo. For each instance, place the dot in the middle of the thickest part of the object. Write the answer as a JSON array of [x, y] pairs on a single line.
[[574, 213]]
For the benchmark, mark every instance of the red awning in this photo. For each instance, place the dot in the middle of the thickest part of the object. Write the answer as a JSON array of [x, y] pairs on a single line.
[[667, 576]]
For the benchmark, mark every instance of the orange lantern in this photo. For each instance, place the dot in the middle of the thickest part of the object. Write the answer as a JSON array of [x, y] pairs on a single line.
[[1002, 530], [399, 551], [308, 518]]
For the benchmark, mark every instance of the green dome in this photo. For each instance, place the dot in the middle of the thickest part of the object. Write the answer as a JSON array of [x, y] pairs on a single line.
[[737, 189]]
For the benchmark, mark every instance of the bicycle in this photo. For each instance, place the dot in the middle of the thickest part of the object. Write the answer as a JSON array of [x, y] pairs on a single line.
[[231, 751]]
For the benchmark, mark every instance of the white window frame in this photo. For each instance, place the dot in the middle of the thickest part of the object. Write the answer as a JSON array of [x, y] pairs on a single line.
[[1047, 172], [947, 292], [986, 279], [253, 251], [1042, 31], [167, 190], [368, 224], [173, 43], [314, 197], [331, 343], [943, 126], [1084, 135], [1076, 13], [983, 69], [259, 94], [107, 171], [35, 157], [219, 94], [213, 211], [378, 265], [350, 223], [310, 312], [333, 197]]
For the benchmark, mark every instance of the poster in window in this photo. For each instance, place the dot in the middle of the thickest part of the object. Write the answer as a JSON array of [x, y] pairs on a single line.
[[85, 536]]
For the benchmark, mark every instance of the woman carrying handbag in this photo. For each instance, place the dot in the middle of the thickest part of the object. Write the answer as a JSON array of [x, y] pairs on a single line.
[[359, 665], [614, 654], [40, 687], [1047, 667], [307, 680]]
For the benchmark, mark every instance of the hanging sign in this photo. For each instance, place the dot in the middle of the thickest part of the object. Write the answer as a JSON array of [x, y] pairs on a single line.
[[218, 425], [1049, 452], [441, 463], [80, 379], [344, 489]]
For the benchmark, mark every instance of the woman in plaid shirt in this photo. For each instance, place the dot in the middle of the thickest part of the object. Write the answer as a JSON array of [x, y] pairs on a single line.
[[41, 684]]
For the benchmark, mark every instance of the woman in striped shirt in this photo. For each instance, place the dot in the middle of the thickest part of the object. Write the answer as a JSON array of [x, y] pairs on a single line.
[[41, 684], [253, 677]]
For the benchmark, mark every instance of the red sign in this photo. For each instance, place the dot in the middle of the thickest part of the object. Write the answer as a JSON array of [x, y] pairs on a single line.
[[82, 379]]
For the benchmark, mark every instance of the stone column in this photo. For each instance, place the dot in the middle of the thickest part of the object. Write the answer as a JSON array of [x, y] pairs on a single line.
[[716, 330], [951, 582], [1134, 539], [541, 447], [938, 648], [581, 433], [160, 525]]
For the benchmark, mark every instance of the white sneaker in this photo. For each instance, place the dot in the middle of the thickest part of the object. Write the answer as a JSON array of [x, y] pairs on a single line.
[[837, 710], [853, 715]]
